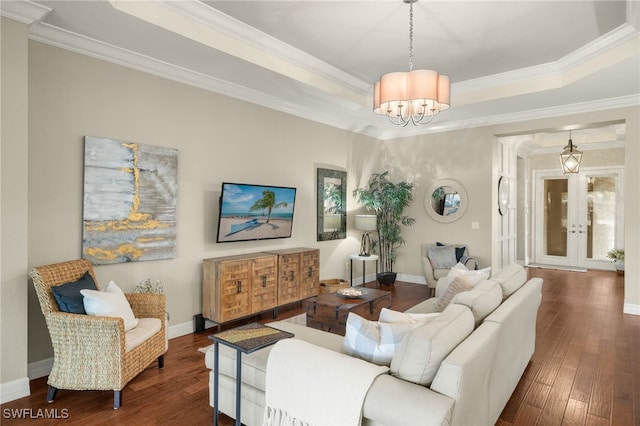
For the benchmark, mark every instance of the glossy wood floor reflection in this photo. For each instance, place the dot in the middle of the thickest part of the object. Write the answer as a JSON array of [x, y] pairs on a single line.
[[586, 369]]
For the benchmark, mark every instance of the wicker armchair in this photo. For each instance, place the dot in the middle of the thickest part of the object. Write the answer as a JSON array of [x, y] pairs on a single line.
[[89, 351]]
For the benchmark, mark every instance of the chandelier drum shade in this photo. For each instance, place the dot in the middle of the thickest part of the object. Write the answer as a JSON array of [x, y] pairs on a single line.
[[415, 96], [570, 158]]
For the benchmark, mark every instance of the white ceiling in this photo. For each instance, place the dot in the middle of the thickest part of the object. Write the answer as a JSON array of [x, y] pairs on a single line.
[[507, 60]]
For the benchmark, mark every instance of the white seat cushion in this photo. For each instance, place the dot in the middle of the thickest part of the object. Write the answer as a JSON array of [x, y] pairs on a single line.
[[146, 328], [418, 358], [254, 365], [510, 278], [483, 299]]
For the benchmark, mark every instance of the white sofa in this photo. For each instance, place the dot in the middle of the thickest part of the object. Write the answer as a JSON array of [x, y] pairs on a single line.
[[470, 386]]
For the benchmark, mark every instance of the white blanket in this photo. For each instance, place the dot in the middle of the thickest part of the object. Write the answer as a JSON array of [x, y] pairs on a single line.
[[310, 385]]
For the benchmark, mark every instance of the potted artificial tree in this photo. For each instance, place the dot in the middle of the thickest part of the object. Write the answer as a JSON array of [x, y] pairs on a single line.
[[388, 201], [617, 255]]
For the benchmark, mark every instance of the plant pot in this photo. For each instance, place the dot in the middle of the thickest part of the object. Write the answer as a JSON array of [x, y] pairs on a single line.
[[386, 278], [619, 266]]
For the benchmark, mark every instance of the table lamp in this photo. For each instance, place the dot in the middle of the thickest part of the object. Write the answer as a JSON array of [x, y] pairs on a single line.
[[367, 223]]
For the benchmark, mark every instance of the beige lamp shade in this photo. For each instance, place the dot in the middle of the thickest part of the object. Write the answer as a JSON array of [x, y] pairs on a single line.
[[419, 92], [366, 222]]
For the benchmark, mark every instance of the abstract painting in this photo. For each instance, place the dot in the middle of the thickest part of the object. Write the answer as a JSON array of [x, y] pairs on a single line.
[[130, 193]]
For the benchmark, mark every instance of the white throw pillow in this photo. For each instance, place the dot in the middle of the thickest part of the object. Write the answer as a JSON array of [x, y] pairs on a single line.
[[390, 316], [373, 341], [109, 303], [458, 285], [473, 277]]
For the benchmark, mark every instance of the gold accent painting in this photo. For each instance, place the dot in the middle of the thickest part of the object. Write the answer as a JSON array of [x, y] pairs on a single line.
[[130, 193]]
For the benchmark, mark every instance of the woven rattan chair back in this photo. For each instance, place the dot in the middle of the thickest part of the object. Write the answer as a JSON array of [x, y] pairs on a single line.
[[45, 277]]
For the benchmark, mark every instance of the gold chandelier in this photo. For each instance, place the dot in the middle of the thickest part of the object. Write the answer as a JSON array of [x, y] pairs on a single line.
[[413, 96]]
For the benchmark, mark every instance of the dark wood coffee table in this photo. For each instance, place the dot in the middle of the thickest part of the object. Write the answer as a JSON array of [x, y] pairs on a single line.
[[329, 312]]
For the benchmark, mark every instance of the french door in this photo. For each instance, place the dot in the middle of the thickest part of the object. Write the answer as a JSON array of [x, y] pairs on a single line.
[[578, 217]]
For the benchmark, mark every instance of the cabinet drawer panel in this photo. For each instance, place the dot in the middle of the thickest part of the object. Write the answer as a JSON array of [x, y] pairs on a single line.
[[235, 306], [264, 284], [310, 274], [235, 286], [289, 280]]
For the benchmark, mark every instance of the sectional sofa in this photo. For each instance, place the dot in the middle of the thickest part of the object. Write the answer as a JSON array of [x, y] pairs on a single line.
[[459, 369]]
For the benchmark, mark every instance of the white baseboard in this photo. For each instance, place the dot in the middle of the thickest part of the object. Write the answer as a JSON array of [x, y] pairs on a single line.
[[415, 279], [41, 368], [180, 329], [14, 389], [630, 308]]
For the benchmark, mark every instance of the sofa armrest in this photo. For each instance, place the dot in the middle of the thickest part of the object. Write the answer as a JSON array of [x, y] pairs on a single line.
[[465, 376], [392, 401]]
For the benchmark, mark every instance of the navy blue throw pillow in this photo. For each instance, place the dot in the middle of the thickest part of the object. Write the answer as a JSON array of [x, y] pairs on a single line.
[[68, 295], [459, 251]]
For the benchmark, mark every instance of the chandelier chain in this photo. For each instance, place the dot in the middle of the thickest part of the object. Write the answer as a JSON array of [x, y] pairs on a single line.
[[411, 36]]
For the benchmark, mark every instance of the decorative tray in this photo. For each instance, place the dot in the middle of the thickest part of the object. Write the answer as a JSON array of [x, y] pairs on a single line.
[[351, 292]]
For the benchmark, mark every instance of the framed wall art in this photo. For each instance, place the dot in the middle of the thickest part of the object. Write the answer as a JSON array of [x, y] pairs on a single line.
[[129, 207], [331, 204]]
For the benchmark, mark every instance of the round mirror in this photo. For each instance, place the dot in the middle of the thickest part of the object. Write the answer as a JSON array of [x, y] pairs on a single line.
[[446, 201]]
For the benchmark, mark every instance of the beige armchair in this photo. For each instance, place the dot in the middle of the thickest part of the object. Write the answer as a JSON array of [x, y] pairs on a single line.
[[432, 275], [94, 352]]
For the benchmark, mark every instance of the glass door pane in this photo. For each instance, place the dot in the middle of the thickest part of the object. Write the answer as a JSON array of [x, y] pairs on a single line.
[[601, 216], [555, 217]]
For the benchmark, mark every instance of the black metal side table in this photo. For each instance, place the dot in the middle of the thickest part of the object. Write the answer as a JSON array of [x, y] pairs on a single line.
[[244, 339]]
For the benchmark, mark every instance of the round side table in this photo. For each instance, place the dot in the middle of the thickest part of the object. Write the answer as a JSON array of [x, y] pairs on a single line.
[[364, 260]]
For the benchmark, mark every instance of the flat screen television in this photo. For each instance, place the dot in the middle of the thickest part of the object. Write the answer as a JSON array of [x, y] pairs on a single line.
[[255, 212]]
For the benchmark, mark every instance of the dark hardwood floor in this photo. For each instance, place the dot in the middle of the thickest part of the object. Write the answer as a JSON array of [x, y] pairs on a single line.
[[585, 371]]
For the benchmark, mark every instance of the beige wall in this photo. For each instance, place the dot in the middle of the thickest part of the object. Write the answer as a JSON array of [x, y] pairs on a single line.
[[218, 139], [13, 211], [461, 155]]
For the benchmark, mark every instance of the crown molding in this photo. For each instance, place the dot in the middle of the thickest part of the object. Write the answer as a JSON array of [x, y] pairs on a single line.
[[25, 11], [213, 18], [615, 46], [516, 117], [48, 34], [210, 27]]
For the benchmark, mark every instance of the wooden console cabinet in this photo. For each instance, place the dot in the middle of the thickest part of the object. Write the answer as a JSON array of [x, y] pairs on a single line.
[[298, 274], [238, 286]]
